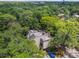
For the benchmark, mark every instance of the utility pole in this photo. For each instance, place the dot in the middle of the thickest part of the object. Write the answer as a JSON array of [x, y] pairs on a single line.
[[63, 1]]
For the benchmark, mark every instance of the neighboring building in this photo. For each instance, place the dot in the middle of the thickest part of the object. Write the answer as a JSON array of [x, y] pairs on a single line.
[[38, 3], [61, 16], [76, 15]]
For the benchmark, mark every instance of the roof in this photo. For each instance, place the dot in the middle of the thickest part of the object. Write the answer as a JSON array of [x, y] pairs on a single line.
[[39, 35], [61, 15]]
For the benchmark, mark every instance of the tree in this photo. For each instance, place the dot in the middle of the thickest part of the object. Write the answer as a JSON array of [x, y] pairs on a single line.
[[49, 24], [66, 35], [6, 20], [17, 45]]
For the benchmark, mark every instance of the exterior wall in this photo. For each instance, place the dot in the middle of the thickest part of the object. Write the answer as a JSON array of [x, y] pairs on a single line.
[[45, 44]]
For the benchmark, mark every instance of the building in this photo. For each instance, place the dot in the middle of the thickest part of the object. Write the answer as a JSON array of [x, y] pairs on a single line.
[[41, 38], [61, 16]]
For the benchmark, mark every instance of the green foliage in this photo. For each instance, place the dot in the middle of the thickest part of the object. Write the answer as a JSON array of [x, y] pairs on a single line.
[[50, 24], [14, 44], [17, 18], [66, 35], [5, 20]]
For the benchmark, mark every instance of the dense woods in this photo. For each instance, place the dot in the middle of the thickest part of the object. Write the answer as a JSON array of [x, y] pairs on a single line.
[[17, 18]]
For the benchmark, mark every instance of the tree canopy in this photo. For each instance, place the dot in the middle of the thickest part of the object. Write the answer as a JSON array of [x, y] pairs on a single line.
[[17, 18]]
